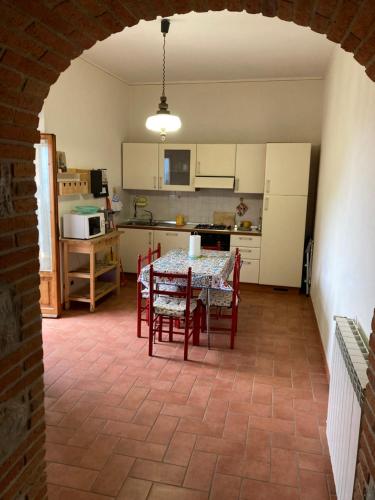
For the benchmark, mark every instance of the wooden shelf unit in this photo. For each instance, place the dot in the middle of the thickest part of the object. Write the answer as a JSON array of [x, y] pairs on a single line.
[[94, 289]]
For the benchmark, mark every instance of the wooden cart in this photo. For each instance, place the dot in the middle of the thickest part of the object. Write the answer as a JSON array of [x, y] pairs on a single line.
[[95, 288]]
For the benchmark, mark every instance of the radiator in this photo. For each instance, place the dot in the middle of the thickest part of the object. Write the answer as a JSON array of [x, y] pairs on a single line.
[[348, 380]]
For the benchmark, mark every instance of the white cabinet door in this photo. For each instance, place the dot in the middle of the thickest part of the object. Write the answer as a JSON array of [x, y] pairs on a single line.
[[170, 240], [249, 271], [287, 169], [177, 167], [134, 242], [250, 168], [283, 233], [216, 159], [140, 166]]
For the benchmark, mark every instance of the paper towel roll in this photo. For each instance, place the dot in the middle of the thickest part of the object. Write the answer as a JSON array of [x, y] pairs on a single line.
[[194, 246]]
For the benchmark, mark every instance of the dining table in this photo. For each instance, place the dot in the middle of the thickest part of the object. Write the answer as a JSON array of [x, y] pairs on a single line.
[[209, 271]]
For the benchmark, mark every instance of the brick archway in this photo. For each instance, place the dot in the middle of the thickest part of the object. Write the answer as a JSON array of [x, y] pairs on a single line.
[[38, 39]]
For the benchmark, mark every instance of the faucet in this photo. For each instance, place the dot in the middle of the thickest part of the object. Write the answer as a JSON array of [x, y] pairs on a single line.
[[150, 214]]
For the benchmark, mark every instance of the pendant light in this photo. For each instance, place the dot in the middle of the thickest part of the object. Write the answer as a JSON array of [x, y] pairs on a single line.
[[163, 122]]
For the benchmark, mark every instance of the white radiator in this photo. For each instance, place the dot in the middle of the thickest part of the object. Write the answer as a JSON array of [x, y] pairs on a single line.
[[347, 382]]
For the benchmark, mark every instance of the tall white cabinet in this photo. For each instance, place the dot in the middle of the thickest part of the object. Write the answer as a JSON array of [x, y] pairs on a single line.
[[284, 214]]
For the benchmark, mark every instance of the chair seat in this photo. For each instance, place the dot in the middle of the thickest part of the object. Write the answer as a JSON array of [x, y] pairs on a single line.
[[172, 306], [218, 298]]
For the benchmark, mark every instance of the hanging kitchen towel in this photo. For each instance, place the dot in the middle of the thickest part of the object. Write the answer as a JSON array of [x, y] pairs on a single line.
[[241, 208]]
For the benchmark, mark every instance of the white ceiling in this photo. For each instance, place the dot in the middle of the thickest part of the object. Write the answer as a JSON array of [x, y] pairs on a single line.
[[214, 46]]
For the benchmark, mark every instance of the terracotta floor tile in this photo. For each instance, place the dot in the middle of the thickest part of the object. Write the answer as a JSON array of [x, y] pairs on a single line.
[[200, 471], [113, 413], [307, 426], [259, 410], [140, 449], [69, 455], [283, 410], [272, 424], [298, 443], [313, 462], [236, 426], [284, 467], [250, 468], [134, 398], [216, 411], [176, 410], [180, 449], [129, 430], [313, 485], [258, 445], [225, 487], [134, 489], [196, 426], [74, 477], [96, 456], [163, 492], [163, 429], [257, 490], [70, 494], [165, 396], [262, 394], [159, 472], [220, 446], [113, 475]]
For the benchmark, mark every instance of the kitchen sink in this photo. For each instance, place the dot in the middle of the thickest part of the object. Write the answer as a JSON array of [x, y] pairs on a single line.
[[165, 224], [140, 222]]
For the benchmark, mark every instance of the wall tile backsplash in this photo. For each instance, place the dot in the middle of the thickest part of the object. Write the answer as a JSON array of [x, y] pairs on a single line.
[[197, 206]]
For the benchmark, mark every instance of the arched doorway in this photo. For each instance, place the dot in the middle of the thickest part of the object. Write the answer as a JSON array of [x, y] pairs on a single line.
[[39, 39]]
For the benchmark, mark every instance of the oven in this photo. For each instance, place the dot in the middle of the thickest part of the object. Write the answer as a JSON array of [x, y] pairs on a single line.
[[217, 238]]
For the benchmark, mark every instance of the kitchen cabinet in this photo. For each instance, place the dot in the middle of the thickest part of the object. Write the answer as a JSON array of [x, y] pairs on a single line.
[[140, 166], [134, 242], [287, 169], [170, 240], [177, 167], [249, 247], [283, 232], [250, 168], [216, 159]]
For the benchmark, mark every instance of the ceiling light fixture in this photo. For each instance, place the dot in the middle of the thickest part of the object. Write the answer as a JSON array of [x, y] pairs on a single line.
[[163, 121]]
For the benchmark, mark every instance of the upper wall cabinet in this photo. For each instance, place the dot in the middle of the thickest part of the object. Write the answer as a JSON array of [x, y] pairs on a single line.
[[250, 168], [177, 166], [287, 169], [216, 159], [140, 165]]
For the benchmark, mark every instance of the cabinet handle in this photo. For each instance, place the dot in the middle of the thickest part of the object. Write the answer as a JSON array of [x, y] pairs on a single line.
[[268, 185], [171, 234], [266, 203], [160, 182], [149, 238], [246, 238], [154, 181], [198, 169], [236, 184]]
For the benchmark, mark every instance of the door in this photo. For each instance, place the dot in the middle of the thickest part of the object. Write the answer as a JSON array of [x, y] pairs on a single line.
[[283, 233], [177, 167], [134, 242], [140, 166], [250, 168], [216, 159], [45, 177], [287, 169], [170, 240]]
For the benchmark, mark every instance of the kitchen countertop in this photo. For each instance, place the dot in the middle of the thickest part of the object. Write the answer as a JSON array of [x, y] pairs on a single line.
[[189, 227]]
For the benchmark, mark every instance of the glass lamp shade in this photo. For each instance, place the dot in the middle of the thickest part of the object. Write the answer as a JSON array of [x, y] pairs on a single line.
[[163, 123]]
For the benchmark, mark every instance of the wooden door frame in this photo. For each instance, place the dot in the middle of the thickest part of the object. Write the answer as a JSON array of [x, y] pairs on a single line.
[[54, 221]]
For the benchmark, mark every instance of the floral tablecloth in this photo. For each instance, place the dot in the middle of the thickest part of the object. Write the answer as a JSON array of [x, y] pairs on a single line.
[[210, 270]]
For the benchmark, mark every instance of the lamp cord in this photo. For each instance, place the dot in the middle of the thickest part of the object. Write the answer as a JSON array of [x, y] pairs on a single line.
[[164, 36]]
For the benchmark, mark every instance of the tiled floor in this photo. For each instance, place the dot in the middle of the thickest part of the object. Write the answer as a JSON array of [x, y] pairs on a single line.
[[243, 424]]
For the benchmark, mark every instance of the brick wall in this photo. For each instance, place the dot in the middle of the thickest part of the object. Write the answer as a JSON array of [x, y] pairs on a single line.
[[38, 39], [366, 453]]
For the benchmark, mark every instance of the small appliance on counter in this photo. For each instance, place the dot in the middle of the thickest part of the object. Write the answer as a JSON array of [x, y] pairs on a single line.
[[82, 226], [99, 183]]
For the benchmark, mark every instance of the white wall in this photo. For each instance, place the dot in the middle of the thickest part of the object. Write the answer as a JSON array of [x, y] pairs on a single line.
[[343, 280], [87, 109], [248, 112]]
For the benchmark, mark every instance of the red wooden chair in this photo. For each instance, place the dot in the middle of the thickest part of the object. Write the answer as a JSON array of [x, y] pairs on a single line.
[[224, 300], [142, 291], [170, 301]]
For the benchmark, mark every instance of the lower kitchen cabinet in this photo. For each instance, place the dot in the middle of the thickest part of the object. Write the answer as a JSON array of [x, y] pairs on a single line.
[[249, 247], [283, 234], [171, 239], [132, 243]]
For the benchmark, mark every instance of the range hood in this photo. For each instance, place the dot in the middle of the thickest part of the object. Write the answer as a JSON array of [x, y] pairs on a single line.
[[214, 182]]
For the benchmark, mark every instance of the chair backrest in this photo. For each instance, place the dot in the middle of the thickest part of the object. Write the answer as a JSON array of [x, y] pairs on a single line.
[[144, 260], [183, 290], [236, 275], [155, 254]]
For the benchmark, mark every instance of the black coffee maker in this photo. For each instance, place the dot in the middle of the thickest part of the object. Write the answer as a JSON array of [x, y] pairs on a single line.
[[99, 183]]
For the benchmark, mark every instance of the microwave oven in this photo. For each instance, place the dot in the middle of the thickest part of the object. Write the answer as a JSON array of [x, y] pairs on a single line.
[[83, 226]]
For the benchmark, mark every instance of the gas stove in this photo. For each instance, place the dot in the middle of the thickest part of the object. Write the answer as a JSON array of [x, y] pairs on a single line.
[[217, 227]]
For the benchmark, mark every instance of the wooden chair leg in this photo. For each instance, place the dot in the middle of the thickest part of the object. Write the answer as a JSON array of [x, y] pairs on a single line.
[[150, 334], [203, 318], [139, 313], [196, 325], [186, 340], [160, 335], [171, 329]]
